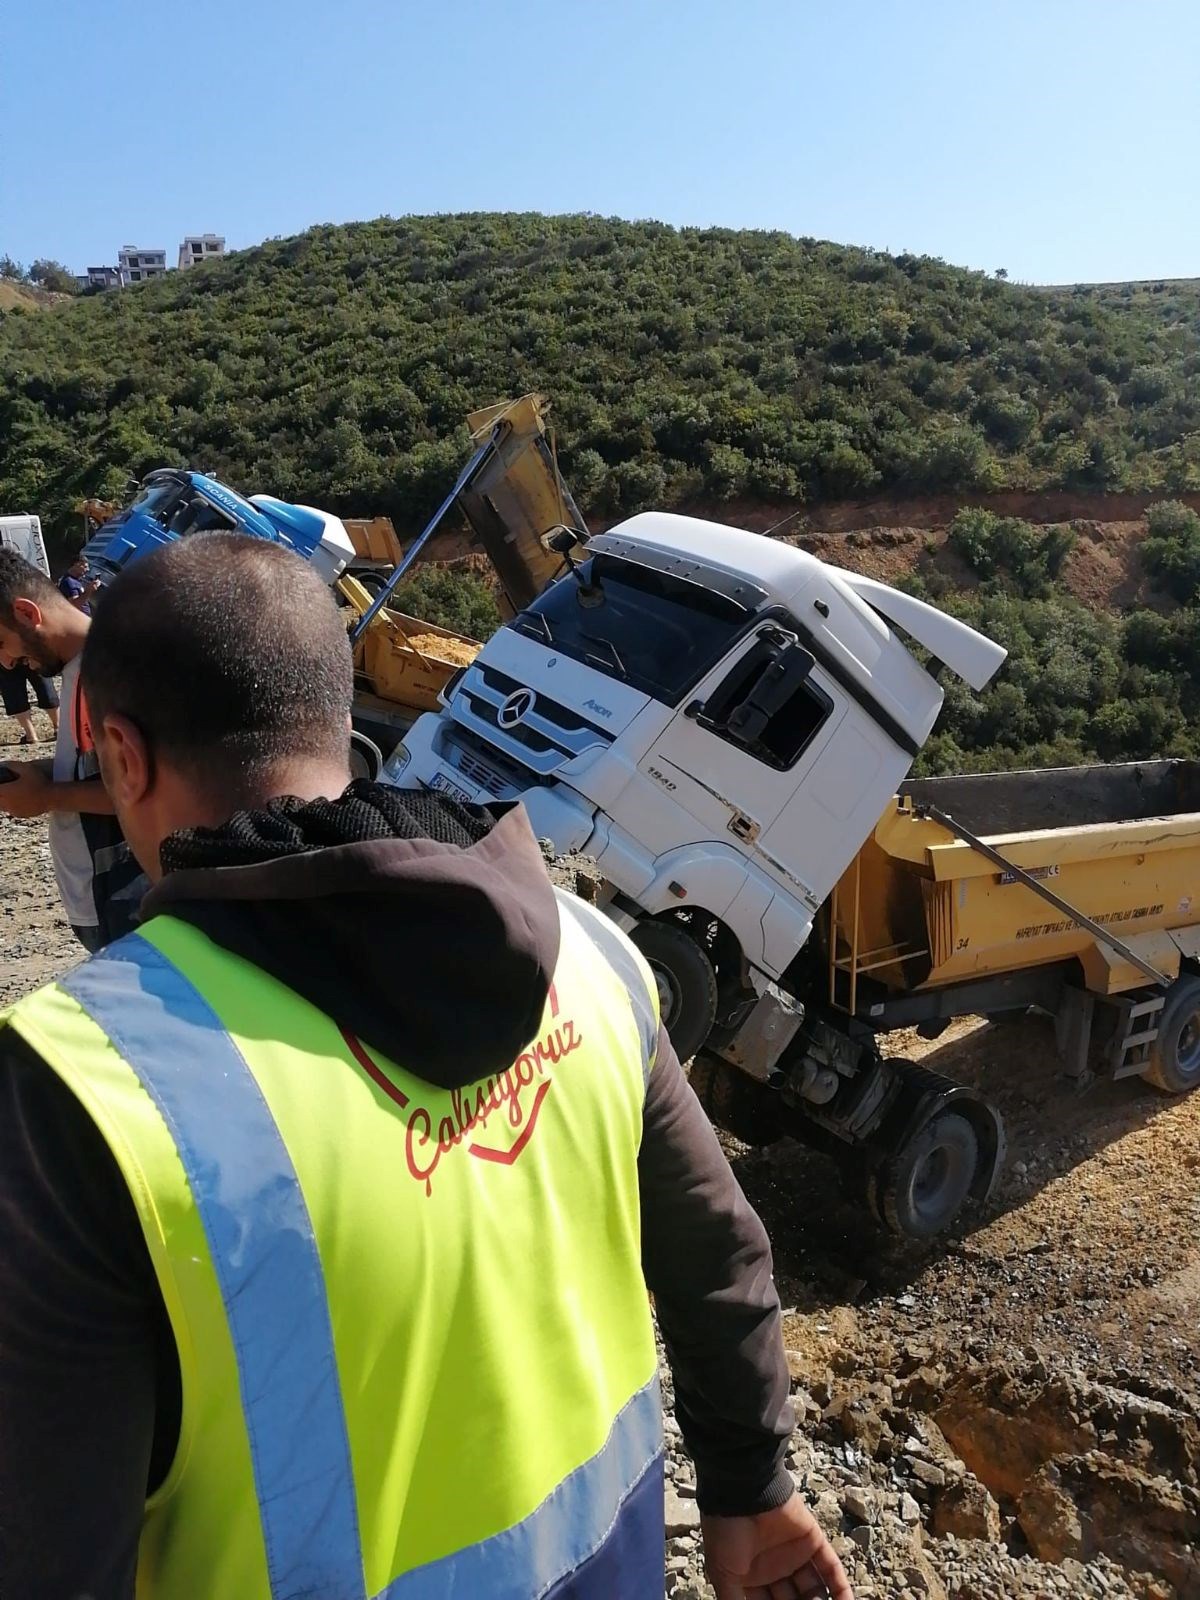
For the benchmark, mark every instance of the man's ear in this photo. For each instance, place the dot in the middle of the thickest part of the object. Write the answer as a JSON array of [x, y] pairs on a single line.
[[29, 612], [125, 762]]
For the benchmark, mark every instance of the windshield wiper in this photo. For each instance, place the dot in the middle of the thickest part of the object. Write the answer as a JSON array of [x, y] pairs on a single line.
[[610, 647], [528, 617]]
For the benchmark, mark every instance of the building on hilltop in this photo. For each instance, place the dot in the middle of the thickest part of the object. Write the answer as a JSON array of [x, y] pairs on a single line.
[[136, 264], [101, 278], [198, 247]]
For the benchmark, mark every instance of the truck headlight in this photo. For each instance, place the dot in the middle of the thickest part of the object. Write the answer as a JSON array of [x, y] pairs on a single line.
[[393, 767]]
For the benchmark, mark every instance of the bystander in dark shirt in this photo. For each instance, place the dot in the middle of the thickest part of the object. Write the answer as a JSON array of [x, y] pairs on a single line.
[[72, 588]]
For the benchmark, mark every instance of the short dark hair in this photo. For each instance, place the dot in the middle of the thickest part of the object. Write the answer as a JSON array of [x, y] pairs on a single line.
[[20, 580], [229, 653]]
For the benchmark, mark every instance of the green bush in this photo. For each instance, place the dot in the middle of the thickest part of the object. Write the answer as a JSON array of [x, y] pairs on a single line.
[[337, 367], [449, 598], [1008, 548], [1172, 548], [1077, 686]]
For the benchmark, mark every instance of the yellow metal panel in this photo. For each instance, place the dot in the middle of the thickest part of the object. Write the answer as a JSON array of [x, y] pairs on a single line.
[[1107, 972], [518, 498], [1139, 879], [374, 539], [405, 675], [1061, 847]]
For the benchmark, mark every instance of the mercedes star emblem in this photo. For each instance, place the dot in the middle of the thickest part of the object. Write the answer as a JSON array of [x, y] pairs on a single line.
[[516, 708]]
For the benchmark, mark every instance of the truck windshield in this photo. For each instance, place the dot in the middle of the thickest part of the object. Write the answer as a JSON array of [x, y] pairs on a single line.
[[157, 500], [658, 633]]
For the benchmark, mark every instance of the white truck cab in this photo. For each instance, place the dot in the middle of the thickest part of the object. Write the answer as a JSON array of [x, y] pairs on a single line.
[[720, 720], [717, 718], [24, 535]]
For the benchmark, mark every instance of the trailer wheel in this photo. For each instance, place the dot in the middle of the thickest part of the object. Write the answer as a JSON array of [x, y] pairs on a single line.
[[687, 983], [1175, 1056], [749, 1110], [920, 1189]]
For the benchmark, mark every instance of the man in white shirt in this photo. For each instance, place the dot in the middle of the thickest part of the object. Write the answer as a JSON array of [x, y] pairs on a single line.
[[98, 880]]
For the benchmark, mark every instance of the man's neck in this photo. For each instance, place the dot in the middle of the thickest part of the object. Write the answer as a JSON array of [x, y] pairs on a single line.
[[303, 780], [190, 806], [69, 634]]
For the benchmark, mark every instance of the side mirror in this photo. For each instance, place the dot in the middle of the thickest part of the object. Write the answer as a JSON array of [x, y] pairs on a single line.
[[561, 540], [776, 684]]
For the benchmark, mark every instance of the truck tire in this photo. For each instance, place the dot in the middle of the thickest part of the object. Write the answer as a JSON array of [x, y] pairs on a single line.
[[920, 1189], [1175, 1055], [687, 983], [750, 1111]]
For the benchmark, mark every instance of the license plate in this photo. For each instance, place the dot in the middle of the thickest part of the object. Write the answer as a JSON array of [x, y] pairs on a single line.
[[446, 785]]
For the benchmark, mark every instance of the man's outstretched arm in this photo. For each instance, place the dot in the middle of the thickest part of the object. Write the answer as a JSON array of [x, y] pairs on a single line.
[[34, 793]]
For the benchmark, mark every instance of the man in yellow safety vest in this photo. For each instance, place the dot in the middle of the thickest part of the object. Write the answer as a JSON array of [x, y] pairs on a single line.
[[329, 1199]]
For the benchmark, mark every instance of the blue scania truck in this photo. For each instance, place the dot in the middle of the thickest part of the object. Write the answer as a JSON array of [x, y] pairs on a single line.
[[172, 504]]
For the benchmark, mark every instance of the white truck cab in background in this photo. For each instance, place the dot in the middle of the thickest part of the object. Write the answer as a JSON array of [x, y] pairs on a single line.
[[719, 720], [24, 535]]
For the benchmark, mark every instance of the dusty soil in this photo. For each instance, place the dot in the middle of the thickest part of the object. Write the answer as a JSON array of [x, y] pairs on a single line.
[[1072, 1301], [35, 938], [937, 511], [1014, 1411]]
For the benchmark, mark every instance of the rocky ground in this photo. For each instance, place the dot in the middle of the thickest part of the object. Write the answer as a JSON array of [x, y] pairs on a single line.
[[1014, 1411], [35, 938]]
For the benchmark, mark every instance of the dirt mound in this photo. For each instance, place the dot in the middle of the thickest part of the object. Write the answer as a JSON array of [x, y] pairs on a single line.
[[1103, 570]]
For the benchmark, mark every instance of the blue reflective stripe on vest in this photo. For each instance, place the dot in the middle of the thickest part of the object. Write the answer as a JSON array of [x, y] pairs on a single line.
[[528, 1560], [613, 946], [261, 1240]]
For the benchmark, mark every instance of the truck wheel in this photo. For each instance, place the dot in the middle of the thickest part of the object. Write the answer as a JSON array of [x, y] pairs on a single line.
[[687, 984], [921, 1189], [1175, 1055], [746, 1109]]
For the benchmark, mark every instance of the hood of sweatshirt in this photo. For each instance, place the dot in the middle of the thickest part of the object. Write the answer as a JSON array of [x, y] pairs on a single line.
[[428, 929]]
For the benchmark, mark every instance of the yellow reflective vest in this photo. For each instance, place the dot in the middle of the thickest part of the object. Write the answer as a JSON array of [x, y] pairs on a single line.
[[415, 1344]]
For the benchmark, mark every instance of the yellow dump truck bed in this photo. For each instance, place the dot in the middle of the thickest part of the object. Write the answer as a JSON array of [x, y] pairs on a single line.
[[404, 662], [920, 908]]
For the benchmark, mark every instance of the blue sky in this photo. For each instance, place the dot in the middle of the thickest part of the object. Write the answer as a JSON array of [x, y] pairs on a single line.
[[1059, 139]]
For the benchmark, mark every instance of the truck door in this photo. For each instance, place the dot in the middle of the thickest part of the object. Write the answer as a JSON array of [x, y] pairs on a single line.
[[746, 745]]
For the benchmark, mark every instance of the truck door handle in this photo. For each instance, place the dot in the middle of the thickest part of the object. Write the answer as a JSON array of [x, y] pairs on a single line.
[[743, 827]]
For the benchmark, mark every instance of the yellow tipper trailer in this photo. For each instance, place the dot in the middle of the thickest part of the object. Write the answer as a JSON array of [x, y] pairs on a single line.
[[1060, 889], [1075, 893]]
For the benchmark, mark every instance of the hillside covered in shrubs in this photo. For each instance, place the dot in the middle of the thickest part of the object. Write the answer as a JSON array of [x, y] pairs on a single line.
[[337, 367], [1079, 684]]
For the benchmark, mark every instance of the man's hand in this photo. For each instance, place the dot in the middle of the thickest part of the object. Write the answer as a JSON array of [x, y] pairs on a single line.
[[29, 793], [777, 1555]]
